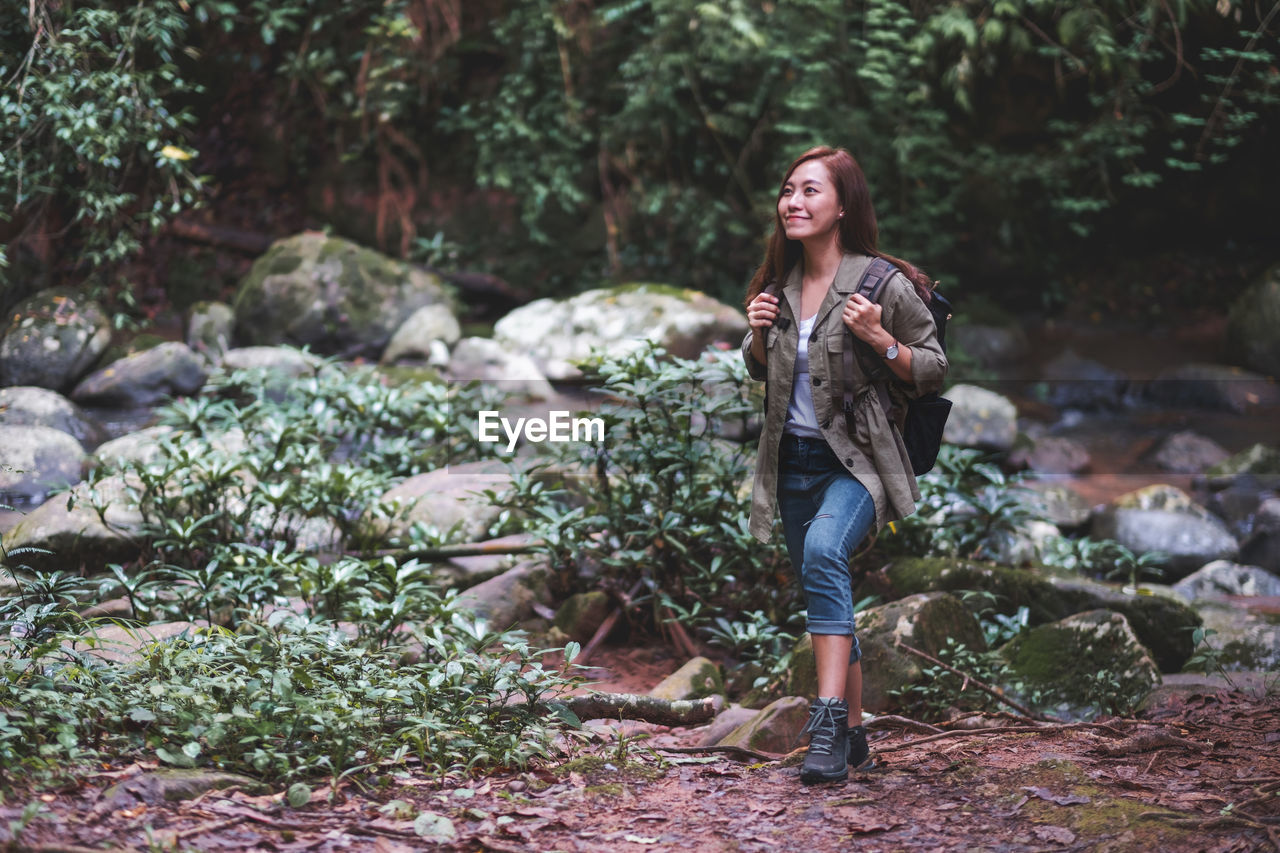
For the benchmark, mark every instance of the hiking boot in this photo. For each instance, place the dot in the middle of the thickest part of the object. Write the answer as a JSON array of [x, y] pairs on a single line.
[[828, 729], [858, 752]]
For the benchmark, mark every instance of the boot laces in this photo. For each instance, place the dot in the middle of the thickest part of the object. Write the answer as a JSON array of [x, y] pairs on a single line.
[[822, 728]]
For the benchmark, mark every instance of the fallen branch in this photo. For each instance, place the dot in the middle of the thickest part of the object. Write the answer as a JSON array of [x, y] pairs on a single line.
[[740, 752], [885, 721], [1002, 730], [984, 687], [631, 706], [1144, 741], [469, 549]]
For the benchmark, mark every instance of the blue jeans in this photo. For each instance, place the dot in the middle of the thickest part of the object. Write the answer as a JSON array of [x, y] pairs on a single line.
[[825, 513]]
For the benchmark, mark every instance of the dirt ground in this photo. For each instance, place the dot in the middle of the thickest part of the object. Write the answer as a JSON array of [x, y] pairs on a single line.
[[1200, 771]]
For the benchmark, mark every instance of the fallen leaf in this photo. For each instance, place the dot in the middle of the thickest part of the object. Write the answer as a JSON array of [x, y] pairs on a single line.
[[1060, 799], [640, 839], [1059, 834]]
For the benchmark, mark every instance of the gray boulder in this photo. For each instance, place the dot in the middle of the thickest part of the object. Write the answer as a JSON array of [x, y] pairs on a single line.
[[209, 328], [420, 337], [1063, 506], [332, 295], [79, 537], [1258, 464], [1252, 322], [136, 448], [1189, 453], [1211, 386], [1262, 548], [1222, 578], [1244, 640], [446, 498], [725, 722], [617, 320], [980, 418], [35, 461], [1062, 659], [54, 337], [1189, 540], [493, 363], [284, 361], [509, 598], [146, 378], [1051, 455], [1073, 382], [28, 405], [582, 614]]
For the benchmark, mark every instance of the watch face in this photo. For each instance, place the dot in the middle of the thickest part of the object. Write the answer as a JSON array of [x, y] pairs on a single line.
[[891, 352]]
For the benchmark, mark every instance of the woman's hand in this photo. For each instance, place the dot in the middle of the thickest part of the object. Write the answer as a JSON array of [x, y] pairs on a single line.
[[862, 316], [762, 311]]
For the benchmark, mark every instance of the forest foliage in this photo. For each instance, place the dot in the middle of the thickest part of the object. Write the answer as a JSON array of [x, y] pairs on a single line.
[[565, 142]]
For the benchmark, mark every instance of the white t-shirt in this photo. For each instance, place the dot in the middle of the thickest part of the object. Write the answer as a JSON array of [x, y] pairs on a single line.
[[801, 418]]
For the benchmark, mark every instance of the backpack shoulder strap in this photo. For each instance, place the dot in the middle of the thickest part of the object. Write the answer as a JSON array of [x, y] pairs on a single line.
[[871, 285]]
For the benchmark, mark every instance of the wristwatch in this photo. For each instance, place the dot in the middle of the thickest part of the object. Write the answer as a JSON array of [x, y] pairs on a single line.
[[892, 352]]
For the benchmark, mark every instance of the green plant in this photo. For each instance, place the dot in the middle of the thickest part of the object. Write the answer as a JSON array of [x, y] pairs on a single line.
[[1103, 558], [656, 509], [968, 508], [1205, 657]]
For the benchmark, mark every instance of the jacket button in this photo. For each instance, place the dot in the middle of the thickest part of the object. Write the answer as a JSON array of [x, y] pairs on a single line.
[[849, 461], [817, 380], [826, 424]]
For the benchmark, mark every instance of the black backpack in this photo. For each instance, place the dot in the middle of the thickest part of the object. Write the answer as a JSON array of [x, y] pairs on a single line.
[[926, 415]]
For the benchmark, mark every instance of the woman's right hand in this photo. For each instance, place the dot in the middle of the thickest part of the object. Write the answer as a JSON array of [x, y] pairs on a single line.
[[762, 311]]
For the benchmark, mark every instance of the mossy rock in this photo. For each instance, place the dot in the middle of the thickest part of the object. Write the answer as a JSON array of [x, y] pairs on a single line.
[[1259, 461], [582, 614], [52, 339], [697, 679], [1162, 623], [332, 295], [924, 622], [1252, 322], [1063, 660], [775, 729]]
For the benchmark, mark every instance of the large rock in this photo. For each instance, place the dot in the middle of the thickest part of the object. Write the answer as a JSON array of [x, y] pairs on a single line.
[[495, 364], [1243, 640], [79, 537], [1162, 624], [136, 448], [980, 418], [581, 615], [1062, 660], [1252, 322], [923, 622], [53, 338], [1262, 548], [447, 497], [35, 461], [146, 378], [1222, 578], [776, 728], [1189, 540], [1062, 506], [1189, 453], [1073, 382], [28, 405], [617, 320], [509, 598], [697, 679], [421, 336], [1211, 386], [209, 328], [1258, 464], [332, 295], [1051, 454]]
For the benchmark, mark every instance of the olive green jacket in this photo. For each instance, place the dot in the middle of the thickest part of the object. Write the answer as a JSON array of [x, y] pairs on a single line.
[[875, 453]]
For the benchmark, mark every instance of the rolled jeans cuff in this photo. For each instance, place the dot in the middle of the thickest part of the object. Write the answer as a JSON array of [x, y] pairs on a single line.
[[842, 629]]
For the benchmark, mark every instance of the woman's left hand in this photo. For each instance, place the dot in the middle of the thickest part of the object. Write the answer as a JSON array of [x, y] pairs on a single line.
[[862, 316]]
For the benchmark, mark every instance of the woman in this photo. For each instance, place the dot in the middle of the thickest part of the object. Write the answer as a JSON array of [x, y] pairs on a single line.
[[831, 475]]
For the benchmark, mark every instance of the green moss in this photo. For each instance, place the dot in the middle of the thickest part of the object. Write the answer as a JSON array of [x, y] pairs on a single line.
[[398, 375], [1258, 460], [655, 288]]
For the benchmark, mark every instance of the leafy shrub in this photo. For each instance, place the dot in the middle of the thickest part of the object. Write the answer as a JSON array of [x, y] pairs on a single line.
[[969, 508], [659, 510]]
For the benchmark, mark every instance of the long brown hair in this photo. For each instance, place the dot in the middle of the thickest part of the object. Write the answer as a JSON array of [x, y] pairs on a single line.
[[858, 229]]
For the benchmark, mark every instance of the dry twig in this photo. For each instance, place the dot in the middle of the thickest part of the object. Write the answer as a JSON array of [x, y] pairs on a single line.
[[984, 687]]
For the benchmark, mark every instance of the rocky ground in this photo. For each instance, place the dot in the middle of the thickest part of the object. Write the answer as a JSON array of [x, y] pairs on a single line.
[[1198, 771]]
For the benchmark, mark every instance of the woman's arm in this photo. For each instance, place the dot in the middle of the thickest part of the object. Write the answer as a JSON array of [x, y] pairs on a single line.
[[901, 318]]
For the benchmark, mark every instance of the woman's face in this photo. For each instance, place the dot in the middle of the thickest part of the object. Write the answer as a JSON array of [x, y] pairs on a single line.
[[808, 206]]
